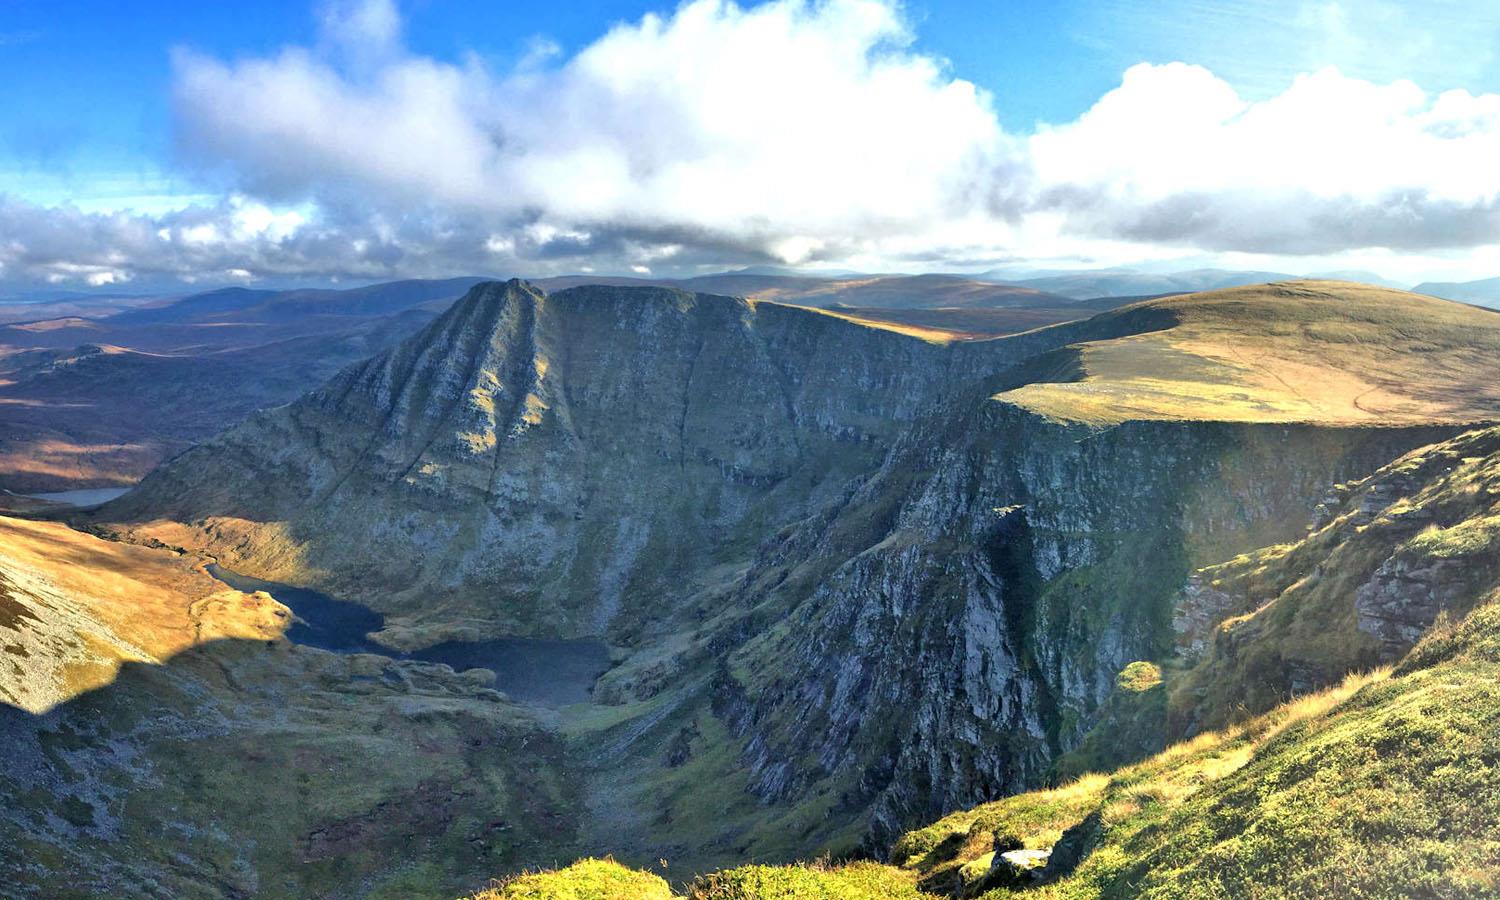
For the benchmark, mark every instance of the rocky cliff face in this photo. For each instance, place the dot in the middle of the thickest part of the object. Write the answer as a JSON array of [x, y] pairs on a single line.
[[1002, 572], [1386, 557], [847, 585], [569, 464]]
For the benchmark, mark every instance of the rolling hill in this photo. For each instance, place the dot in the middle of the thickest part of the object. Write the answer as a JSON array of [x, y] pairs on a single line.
[[1304, 351], [93, 402]]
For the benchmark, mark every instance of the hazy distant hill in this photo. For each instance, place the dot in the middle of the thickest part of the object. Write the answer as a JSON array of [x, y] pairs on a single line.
[[99, 401], [1485, 292], [239, 305], [31, 306], [1124, 283]]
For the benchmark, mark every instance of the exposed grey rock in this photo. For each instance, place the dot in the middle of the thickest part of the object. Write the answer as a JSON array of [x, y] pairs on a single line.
[[1405, 596], [1025, 863], [1198, 610]]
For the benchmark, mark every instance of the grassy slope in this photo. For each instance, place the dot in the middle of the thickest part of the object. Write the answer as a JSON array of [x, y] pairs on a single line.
[[1314, 351], [74, 608], [1386, 784], [1382, 787], [163, 740]]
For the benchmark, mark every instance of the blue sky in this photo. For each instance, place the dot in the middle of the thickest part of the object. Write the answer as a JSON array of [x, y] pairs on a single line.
[[94, 117]]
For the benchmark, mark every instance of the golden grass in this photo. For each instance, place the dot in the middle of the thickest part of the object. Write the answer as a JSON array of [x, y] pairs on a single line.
[[81, 606], [1038, 819], [586, 879], [1303, 351], [930, 335]]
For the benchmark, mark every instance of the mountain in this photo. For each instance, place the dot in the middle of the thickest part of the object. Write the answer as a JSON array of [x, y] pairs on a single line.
[[1128, 283], [851, 580], [1363, 276], [1485, 292], [534, 419], [537, 419], [165, 372]]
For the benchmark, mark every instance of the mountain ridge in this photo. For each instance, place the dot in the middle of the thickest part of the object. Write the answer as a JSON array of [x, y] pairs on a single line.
[[848, 580]]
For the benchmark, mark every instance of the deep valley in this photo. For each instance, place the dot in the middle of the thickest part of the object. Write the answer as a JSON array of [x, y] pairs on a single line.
[[696, 581]]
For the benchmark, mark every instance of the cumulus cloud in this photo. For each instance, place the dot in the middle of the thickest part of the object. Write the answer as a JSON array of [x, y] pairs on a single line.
[[782, 129], [793, 130], [1332, 163]]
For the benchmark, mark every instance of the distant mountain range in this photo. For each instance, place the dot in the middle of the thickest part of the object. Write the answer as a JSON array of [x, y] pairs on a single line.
[[99, 399], [1484, 292]]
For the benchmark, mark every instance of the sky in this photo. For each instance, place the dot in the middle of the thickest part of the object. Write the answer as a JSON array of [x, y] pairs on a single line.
[[147, 145]]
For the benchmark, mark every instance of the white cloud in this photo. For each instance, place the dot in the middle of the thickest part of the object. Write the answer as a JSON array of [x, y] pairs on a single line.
[[1332, 163], [362, 31], [802, 131], [789, 123]]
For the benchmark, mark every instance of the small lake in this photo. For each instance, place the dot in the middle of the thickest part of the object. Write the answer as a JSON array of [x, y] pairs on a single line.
[[546, 671], [87, 497]]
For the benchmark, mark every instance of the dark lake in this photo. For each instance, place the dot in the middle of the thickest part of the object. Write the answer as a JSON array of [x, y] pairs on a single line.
[[547, 671]]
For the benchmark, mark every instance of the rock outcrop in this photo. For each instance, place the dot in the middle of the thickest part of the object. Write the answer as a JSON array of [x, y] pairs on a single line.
[[1412, 542]]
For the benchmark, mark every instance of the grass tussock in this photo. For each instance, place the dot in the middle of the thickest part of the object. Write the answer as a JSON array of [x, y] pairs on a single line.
[[852, 881], [587, 879], [1139, 676]]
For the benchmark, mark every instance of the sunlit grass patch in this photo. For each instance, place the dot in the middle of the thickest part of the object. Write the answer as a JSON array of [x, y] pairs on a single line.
[[587, 879]]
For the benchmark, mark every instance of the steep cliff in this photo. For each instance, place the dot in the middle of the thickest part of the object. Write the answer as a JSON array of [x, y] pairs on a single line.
[[567, 464], [1390, 554], [853, 579], [1318, 768], [987, 586], [1378, 783]]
